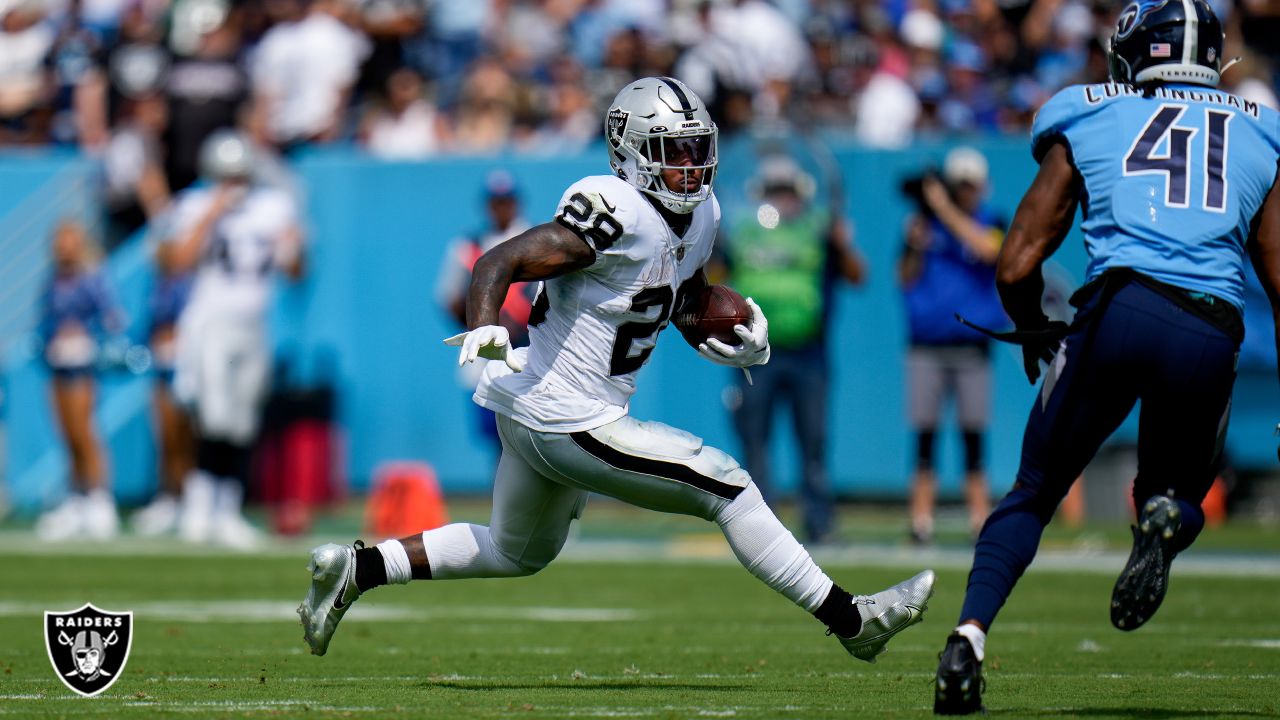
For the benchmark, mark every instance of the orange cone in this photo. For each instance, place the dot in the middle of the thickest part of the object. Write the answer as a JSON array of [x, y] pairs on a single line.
[[406, 499], [1215, 503]]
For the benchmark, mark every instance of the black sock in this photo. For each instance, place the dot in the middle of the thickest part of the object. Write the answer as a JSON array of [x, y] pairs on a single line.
[[837, 612], [371, 569]]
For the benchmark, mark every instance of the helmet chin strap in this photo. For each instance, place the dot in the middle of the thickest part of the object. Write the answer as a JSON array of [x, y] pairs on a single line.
[[676, 206], [1230, 64], [655, 190]]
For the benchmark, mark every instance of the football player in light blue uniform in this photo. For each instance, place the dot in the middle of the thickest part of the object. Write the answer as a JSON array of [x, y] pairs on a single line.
[[1174, 180]]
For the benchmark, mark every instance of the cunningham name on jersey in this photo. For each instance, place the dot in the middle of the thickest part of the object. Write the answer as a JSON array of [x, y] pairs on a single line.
[[591, 330]]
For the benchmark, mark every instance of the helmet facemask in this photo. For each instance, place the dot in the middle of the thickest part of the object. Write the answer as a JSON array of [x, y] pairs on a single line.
[[686, 159], [663, 142]]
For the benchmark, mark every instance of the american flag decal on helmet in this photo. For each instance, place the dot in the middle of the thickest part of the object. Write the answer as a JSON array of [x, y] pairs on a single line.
[[1159, 50]]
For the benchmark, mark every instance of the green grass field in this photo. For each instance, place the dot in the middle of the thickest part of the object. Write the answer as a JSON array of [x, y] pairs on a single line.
[[646, 638]]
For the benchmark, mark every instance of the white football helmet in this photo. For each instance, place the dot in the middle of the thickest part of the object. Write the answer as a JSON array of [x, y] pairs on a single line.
[[657, 124], [227, 155]]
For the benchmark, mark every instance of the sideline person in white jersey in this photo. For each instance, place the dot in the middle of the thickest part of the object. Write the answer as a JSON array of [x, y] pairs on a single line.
[[234, 233], [621, 252]]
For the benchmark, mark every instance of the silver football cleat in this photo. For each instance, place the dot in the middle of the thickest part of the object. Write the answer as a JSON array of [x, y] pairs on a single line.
[[333, 589], [888, 613]]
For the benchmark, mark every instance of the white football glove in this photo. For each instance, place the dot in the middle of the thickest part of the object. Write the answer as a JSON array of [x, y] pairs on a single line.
[[491, 342], [754, 349]]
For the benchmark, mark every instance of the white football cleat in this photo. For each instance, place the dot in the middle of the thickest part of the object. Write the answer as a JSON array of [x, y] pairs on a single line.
[[232, 530], [333, 589], [195, 512], [100, 519], [64, 522], [888, 613], [159, 517]]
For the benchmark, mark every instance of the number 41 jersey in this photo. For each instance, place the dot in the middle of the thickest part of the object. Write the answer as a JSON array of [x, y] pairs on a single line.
[[591, 330], [1172, 178]]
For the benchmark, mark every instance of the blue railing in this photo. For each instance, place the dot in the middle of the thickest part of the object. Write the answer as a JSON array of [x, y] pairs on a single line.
[[378, 232]]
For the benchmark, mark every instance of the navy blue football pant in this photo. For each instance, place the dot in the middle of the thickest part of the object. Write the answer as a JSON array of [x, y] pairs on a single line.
[[797, 376], [1142, 347]]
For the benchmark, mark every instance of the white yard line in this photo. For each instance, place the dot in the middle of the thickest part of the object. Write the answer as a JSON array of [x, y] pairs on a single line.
[[1268, 644], [700, 550], [269, 611]]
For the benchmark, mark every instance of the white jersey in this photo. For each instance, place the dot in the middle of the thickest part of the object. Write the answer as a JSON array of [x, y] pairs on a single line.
[[240, 252], [592, 330]]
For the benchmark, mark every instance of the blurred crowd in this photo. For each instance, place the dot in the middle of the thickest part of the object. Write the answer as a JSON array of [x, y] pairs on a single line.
[[142, 82]]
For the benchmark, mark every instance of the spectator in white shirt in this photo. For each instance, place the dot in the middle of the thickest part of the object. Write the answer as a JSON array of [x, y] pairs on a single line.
[[24, 42], [302, 76], [406, 125]]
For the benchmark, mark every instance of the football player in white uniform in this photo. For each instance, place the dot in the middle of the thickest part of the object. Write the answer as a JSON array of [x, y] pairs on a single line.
[[234, 233], [621, 252]]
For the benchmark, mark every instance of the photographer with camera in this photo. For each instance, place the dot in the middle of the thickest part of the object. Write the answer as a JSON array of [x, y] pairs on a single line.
[[948, 267]]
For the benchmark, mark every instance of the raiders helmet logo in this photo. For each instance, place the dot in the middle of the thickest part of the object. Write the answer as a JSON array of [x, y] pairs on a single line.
[[88, 647], [616, 124]]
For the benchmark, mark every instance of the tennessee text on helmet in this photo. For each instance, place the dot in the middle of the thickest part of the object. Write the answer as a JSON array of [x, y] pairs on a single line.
[[658, 124], [1167, 41]]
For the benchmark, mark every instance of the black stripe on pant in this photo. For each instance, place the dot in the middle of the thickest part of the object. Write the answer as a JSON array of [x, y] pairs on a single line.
[[658, 468]]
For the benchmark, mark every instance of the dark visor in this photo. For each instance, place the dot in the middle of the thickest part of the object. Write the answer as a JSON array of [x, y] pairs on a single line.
[[694, 150]]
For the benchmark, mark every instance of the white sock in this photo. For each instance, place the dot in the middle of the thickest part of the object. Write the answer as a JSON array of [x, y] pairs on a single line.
[[228, 498], [462, 550], [100, 496], [396, 561], [922, 525], [198, 491], [770, 552], [977, 638]]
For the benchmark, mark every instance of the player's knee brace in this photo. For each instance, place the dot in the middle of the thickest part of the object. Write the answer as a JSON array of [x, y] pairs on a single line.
[[924, 449], [972, 451]]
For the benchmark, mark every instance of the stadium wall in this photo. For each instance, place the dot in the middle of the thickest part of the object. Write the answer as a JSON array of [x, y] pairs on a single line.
[[367, 316]]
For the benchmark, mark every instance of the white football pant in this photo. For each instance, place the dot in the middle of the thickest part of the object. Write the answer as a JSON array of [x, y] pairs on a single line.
[[222, 371], [542, 483]]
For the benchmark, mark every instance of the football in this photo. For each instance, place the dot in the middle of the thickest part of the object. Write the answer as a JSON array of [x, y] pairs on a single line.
[[712, 313]]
